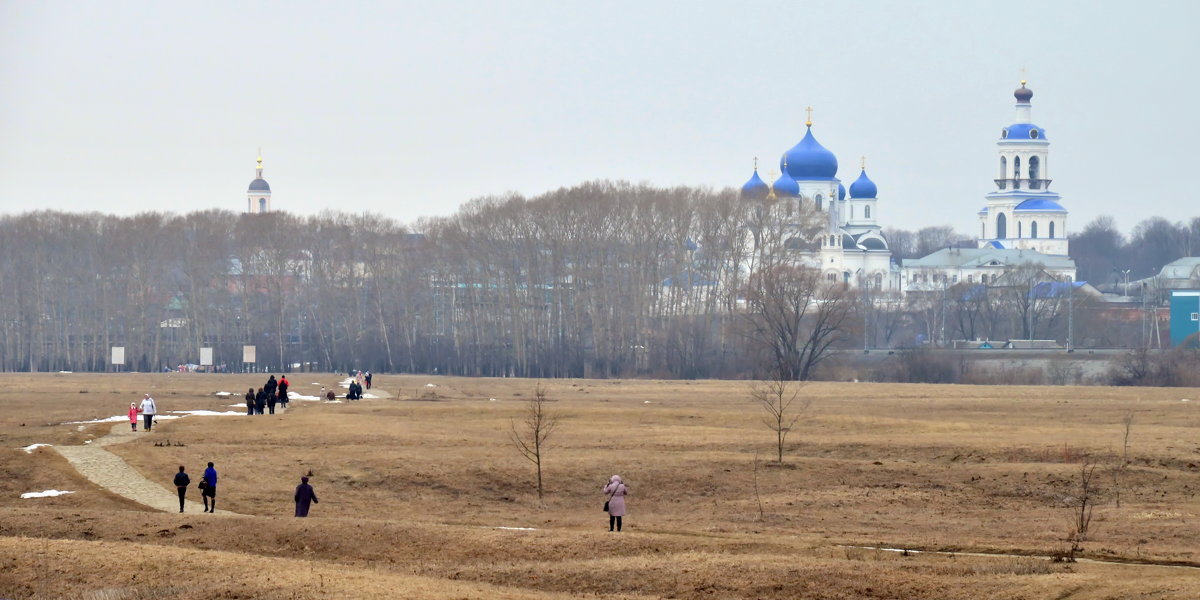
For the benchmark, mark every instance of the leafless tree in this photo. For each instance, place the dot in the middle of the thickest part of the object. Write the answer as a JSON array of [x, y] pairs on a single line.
[[530, 437], [782, 406]]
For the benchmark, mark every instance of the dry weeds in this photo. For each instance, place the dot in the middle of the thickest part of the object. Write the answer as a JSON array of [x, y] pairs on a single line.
[[412, 489]]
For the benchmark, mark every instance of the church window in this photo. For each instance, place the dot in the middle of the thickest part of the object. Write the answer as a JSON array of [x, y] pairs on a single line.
[[1033, 230], [867, 212], [1003, 167], [1033, 167], [831, 277], [1051, 229], [1003, 134], [1001, 226], [262, 205], [1016, 167], [970, 279], [1033, 133], [820, 203], [1019, 229]]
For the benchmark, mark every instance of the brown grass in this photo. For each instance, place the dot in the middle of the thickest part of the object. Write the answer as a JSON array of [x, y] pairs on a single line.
[[412, 488]]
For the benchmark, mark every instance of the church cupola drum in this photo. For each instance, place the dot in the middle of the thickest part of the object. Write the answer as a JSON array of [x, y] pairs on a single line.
[[1022, 213], [258, 197]]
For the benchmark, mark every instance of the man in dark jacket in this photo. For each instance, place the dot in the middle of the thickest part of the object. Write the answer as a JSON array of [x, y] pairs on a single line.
[[210, 489], [304, 497], [182, 481], [260, 401], [271, 386]]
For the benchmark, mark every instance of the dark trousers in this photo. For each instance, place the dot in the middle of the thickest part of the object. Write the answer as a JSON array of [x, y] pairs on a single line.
[[182, 490], [271, 407], [614, 520], [149, 421]]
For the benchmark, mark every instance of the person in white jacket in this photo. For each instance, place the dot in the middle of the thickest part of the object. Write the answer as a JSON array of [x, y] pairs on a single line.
[[148, 410]]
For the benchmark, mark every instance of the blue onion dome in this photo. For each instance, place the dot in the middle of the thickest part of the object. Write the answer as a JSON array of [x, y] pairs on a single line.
[[259, 185], [809, 160], [863, 187], [1041, 205], [841, 192], [1023, 94], [755, 188], [785, 186]]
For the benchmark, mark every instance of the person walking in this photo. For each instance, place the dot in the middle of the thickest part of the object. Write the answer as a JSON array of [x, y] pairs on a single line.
[[616, 491], [284, 384], [182, 481], [210, 489], [368, 378], [270, 386], [148, 410], [133, 415], [250, 402], [270, 401], [304, 496], [260, 401]]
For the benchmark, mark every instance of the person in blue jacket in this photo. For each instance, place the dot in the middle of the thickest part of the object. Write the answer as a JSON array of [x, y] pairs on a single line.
[[210, 489]]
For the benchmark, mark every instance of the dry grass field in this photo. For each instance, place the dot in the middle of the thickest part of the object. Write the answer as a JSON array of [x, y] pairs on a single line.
[[422, 495]]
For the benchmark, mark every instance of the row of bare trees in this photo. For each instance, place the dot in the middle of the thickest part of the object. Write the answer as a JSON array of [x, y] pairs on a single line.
[[603, 279]]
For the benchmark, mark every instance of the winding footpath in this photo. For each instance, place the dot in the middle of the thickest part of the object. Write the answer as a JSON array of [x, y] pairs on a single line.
[[109, 471], [112, 473]]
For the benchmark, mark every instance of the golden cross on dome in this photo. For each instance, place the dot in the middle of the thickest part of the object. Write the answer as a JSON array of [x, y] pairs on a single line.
[[756, 164], [1024, 76], [863, 162], [808, 121]]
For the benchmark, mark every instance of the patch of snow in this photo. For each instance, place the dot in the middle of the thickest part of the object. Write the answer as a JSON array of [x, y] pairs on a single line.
[[516, 528], [223, 394], [334, 402], [65, 372], [430, 385], [370, 396], [1184, 400], [45, 494], [30, 448], [113, 419], [87, 441], [491, 399], [645, 402], [200, 413], [316, 384], [295, 396], [81, 428]]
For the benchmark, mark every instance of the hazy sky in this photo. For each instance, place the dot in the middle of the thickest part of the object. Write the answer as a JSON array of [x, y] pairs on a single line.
[[411, 109]]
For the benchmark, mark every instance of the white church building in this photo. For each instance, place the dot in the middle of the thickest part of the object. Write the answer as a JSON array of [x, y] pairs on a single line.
[[1022, 213], [850, 247]]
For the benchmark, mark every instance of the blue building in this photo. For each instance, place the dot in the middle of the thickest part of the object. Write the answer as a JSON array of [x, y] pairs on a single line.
[[1185, 317]]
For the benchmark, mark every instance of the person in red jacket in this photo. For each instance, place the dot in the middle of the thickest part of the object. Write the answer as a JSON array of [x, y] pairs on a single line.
[[283, 388]]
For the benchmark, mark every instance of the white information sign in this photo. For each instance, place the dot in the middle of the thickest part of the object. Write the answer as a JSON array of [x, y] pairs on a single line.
[[118, 355], [248, 354], [206, 357]]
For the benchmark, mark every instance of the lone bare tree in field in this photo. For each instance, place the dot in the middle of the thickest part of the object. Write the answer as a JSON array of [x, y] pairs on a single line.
[[783, 407], [530, 438]]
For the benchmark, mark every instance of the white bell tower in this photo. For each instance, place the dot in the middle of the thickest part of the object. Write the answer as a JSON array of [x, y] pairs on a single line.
[[258, 197]]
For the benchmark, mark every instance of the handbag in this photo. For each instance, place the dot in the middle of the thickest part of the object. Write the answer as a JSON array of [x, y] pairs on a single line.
[[203, 484], [610, 497]]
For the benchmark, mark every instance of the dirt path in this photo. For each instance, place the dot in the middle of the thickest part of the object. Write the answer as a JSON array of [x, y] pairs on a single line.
[[109, 471]]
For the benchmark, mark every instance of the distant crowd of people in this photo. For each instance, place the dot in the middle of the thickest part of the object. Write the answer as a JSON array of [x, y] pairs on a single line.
[[270, 394]]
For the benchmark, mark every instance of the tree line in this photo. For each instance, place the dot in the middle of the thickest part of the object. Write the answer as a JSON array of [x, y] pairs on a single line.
[[603, 279]]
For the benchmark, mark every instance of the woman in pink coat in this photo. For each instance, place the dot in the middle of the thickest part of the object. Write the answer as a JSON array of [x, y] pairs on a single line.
[[133, 414], [616, 491]]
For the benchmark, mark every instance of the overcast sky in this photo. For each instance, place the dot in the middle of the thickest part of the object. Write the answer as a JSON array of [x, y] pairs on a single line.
[[411, 109]]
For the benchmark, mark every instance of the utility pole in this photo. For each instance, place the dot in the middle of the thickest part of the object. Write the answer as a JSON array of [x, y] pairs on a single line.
[[1070, 314]]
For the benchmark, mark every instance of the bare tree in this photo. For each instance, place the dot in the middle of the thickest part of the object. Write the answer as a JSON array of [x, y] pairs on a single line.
[[1083, 502], [530, 438], [797, 317], [783, 407]]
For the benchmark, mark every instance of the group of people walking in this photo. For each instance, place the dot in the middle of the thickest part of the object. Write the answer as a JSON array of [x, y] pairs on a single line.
[[207, 485], [271, 393], [147, 410]]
